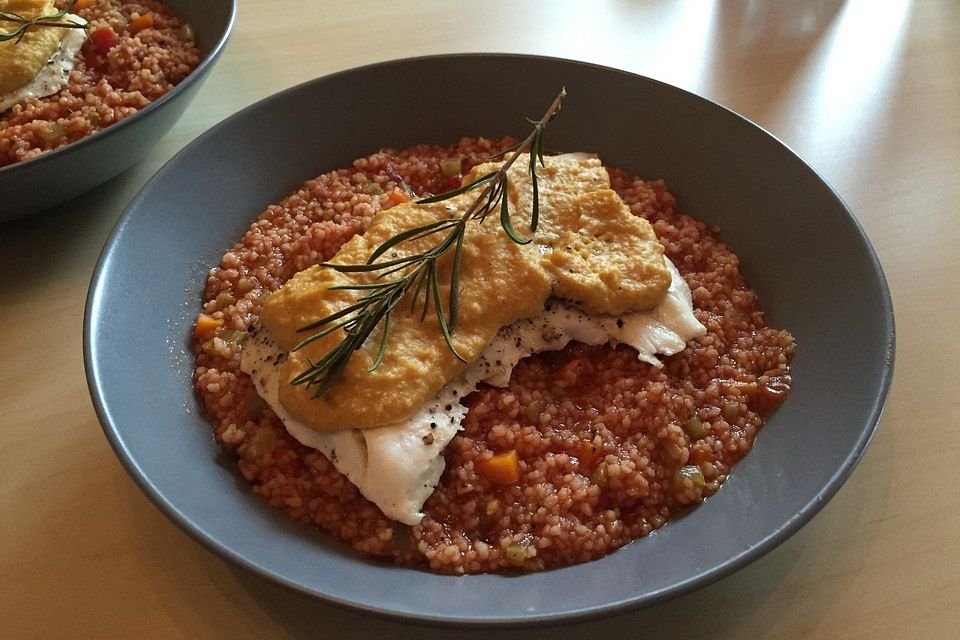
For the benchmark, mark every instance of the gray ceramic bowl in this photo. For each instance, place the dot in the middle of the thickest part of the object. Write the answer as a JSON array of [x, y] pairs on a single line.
[[801, 249], [38, 184]]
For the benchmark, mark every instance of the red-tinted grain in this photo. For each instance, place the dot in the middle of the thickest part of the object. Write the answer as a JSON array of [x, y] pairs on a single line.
[[603, 454], [117, 73]]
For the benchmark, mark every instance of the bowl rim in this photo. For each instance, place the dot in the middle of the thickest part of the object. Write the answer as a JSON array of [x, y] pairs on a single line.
[[200, 71], [748, 555]]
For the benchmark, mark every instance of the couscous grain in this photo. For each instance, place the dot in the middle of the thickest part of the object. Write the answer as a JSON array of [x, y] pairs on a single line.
[[609, 447]]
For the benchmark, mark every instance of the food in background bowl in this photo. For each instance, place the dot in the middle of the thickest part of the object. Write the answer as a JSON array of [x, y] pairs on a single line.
[[571, 431], [70, 69], [37, 183]]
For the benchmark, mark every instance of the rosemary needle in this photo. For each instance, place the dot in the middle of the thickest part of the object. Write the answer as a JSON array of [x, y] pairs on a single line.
[[420, 272], [25, 24]]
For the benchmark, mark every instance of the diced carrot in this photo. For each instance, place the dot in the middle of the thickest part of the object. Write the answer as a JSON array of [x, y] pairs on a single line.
[[140, 22], [206, 325], [699, 455], [397, 196], [82, 4], [771, 395], [503, 468], [104, 39], [589, 455]]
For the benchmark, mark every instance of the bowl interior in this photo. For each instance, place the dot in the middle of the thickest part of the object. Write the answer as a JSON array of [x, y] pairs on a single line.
[[803, 252]]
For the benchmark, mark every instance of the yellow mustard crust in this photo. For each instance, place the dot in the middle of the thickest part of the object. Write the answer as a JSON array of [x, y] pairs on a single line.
[[589, 248], [608, 261], [602, 257], [501, 282]]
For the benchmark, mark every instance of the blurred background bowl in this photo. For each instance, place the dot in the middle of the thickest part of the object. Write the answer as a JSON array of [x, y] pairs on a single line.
[[64, 173]]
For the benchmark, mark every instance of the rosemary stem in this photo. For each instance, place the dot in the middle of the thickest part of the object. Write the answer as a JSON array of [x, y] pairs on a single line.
[[44, 23], [421, 270]]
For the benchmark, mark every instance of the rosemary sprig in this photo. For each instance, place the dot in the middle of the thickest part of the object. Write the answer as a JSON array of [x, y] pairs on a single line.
[[25, 24], [420, 272]]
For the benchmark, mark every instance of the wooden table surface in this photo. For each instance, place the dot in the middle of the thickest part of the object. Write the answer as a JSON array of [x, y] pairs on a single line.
[[867, 92]]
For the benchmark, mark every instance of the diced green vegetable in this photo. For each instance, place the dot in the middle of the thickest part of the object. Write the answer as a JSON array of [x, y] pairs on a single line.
[[451, 166], [51, 132], [260, 444], [224, 300], [489, 515], [730, 411], [601, 475], [689, 472], [234, 337], [517, 553], [372, 189], [534, 409], [695, 429], [215, 347], [520, 510]]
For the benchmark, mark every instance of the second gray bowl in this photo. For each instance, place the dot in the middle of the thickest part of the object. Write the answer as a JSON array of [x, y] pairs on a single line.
[[33, 185]]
